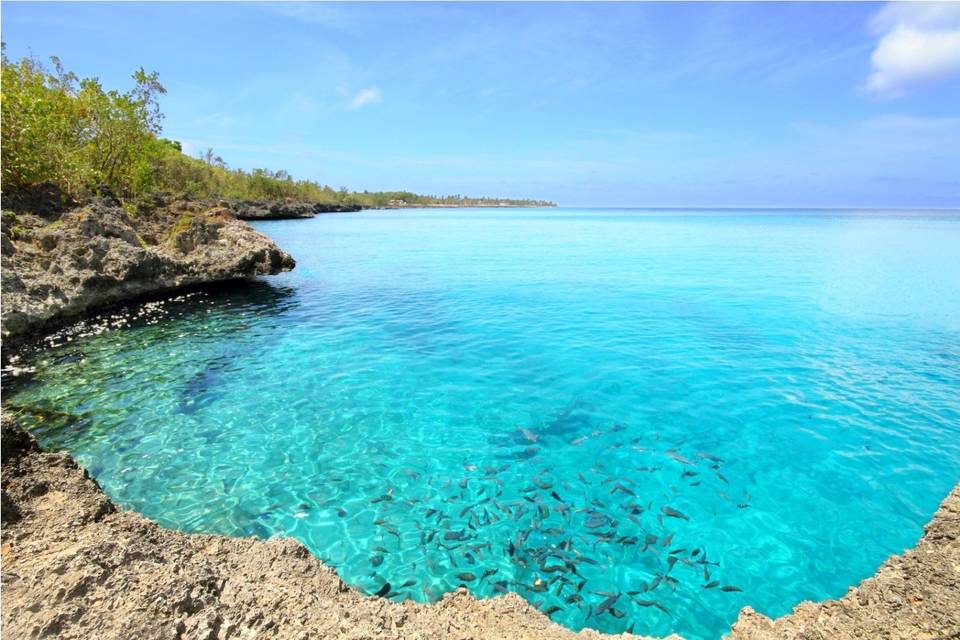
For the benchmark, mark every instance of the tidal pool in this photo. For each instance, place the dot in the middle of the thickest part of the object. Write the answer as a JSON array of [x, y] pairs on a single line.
[[635, 419]]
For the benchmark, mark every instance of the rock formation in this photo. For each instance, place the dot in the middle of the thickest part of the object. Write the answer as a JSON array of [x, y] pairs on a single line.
[[281, 210], [100, 253]]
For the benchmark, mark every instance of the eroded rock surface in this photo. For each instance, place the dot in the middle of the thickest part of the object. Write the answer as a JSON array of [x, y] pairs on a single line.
[[99, 254]]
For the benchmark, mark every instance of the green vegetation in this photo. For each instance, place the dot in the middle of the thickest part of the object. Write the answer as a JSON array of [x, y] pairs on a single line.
[[70, 132]]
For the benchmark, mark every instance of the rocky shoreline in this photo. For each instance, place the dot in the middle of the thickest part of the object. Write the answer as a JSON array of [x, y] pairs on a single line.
[[76, 566], [58, 266], [283, 210]]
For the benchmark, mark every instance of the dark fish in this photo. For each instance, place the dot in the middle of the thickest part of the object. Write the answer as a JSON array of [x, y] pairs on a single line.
[[553, 569], [574, 598], [466, 576], [454, 535], [596, 520], [527, 453], [711, 585], [616, 613], [430, 512], [384, 590], [408, 583], [606, 604], [341, 512], [488, 573], [623, 489], [742, 505], [552, 610], [730, 588], [673, 513], [555, 496], [652, 603]]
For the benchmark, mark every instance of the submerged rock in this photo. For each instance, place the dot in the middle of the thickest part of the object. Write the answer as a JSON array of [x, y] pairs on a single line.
[[99, 254]]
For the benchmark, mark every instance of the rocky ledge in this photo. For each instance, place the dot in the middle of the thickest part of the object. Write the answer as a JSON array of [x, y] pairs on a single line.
[[60, 266], [283, 210], [75, 566]]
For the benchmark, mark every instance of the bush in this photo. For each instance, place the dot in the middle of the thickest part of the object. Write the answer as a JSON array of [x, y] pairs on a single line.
[[75, 135]]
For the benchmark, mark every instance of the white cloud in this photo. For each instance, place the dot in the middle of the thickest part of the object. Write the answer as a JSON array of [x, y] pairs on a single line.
[[370, 95], [919, 44]]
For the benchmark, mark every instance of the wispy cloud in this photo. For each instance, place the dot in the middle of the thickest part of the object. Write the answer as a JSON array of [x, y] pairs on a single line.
[[919, 44], [318, 13], [370, 95]]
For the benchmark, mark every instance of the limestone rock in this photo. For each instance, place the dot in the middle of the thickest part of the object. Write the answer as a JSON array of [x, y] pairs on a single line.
[[99, 254]]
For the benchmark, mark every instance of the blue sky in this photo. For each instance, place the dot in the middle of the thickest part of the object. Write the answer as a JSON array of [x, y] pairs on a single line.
[[644, 104]]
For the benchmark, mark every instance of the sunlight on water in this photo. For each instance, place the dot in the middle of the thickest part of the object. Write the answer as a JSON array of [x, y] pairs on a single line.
[[696, 412]]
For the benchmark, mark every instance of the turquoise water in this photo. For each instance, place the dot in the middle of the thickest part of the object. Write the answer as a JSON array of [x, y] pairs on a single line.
[[563, 403]]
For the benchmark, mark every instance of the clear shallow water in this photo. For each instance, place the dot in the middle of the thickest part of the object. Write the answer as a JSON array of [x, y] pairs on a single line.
[[529, 400]]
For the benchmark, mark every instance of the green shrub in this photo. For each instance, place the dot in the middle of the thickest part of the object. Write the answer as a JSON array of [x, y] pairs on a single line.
[[74, 134]]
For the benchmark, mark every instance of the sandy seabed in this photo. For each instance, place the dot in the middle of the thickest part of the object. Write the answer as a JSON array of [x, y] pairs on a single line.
[[75, 566]]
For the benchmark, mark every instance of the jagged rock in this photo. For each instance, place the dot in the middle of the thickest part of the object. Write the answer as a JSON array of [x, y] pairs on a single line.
[[285, 209], [99, 254]]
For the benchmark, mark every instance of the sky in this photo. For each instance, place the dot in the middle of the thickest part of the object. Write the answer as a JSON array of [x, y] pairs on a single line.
[[637, 104]]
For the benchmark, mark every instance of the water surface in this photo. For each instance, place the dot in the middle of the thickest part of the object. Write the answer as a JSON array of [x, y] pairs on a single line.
[[561, 403]]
